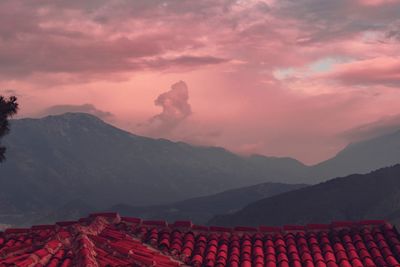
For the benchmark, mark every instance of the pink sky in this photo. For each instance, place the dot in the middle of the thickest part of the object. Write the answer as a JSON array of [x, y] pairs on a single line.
[[281, 78]]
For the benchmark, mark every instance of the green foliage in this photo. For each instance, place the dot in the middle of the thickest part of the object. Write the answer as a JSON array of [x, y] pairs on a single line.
[[8, 107]]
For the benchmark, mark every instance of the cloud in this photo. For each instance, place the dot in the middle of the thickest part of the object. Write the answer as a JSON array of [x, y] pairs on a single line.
[[175, 109], [376, 2], [93, 57], [375, 71], [199, 137], [385, 125], [68, 38], [9, 92], [323, 20], [84, 108], [227, 50], [187, 60], [101, 39]]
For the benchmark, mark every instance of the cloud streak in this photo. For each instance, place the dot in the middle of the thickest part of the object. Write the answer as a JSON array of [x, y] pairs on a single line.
[[375, 71]]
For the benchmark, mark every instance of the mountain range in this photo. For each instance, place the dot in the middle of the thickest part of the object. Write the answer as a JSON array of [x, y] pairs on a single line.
[[201, 209], [76, 156], [361, 157], [356, 197], [54, 160]]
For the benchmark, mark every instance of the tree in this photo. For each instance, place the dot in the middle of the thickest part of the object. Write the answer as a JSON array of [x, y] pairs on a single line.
[[8, 107]]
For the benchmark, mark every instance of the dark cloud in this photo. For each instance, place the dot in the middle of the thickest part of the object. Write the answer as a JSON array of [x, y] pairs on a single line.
[[82, 56], [377, 128], [175, 109], [101, 38], [92, 57], [182, 61], [393, 32], [195, 60], [84, 108], [332, 20], [88, 5], [43, 37], [138, 8]]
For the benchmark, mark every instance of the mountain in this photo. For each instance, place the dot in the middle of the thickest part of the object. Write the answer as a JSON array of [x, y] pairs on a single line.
[[57, 159], [54, 160], [73, 210], [355, 197], [361, 157], [201, 209]]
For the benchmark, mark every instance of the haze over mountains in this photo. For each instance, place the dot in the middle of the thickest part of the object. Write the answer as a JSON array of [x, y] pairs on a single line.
[[78, 157], [361, 157], [201, 209], [355, 197]]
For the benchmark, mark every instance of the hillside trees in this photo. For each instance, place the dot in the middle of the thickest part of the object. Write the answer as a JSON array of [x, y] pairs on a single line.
[[8, 107]]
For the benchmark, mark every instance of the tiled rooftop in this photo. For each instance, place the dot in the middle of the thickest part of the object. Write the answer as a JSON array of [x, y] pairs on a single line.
[[106, 239]]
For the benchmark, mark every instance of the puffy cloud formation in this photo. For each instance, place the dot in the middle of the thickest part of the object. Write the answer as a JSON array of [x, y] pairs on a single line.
[[175, 108]]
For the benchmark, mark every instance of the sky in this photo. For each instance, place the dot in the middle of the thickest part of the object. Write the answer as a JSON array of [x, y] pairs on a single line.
[[296, 78]]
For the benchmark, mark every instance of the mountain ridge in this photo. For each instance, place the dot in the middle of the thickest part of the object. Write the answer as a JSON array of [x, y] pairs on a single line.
[[78, 156], [354, 197], [201, 209], [360, 157]]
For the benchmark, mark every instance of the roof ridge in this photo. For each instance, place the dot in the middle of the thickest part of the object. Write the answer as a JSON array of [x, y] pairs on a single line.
[[107, 239]]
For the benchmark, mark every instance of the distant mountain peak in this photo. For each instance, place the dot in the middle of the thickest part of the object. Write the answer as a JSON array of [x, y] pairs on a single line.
[[69, 116], [393, 134], [73, 116]]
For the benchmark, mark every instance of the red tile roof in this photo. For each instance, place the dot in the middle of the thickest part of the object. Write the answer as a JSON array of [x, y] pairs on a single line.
[[106, 239]]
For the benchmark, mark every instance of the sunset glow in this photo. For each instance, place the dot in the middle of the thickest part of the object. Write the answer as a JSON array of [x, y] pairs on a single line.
[[279, 78]]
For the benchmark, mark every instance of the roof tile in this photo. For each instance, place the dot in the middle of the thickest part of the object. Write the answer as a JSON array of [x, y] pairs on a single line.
[[105, 239]]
